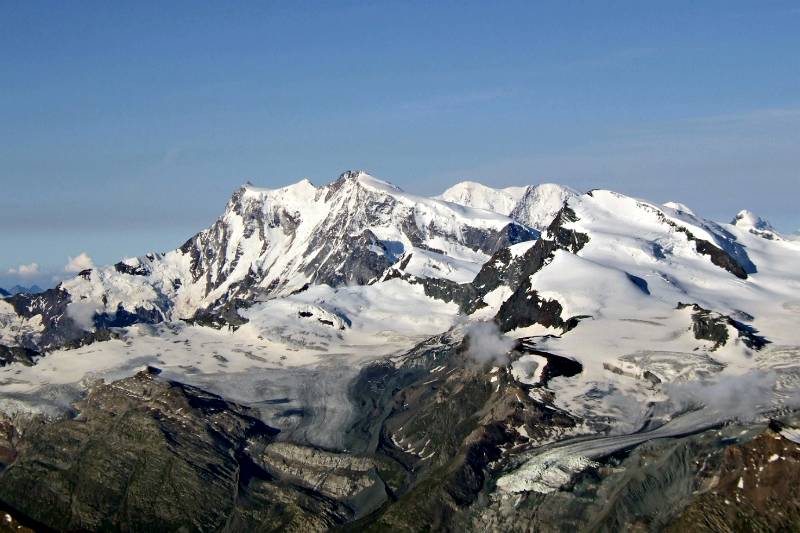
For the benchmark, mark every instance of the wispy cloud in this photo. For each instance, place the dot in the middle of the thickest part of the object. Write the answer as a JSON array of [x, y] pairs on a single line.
[[752, 116], [451, 102], [620, 57], [25, 271]]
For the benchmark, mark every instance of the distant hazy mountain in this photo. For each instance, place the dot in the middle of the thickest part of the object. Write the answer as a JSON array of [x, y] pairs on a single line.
[[33, 289]]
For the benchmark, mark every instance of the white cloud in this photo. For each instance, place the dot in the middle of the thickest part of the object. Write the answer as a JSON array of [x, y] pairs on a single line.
[[82, 313], [78, 263], [485, 342], [25, 271]]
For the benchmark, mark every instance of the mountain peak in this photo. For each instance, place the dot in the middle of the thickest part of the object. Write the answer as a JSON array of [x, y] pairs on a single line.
[[363, 178], [480, 196], [747, 220], [534, 205], [351, 175], [249, 188], [681, 208], [17, 289]]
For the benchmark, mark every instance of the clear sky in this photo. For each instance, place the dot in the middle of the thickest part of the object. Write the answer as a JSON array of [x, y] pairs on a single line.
[[125, 126]]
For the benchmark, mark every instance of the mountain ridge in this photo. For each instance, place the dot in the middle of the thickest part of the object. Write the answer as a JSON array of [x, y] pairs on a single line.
[[403, 360], [532, 205]]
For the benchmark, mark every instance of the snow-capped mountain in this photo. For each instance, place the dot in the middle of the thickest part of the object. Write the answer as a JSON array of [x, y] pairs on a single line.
[[749, 221], [540, 203], [534, 205], [620, 274], [356, 342], [597, 249], [273, 242], [480, 196], [270, 243]]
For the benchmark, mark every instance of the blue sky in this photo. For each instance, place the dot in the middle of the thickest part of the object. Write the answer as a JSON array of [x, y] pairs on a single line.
[[124, 127]]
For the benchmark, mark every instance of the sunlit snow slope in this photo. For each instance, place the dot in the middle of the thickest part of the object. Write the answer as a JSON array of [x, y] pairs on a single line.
[[534, 205]]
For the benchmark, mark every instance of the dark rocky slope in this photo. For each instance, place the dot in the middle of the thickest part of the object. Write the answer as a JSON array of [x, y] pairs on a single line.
[[432, 434], [145, 454]]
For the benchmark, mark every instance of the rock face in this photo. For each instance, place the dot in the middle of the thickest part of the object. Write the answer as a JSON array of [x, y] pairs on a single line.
[[146, 454], [751, 486], [17, 354], [44, 322], [442, 425], [717, 328], [49, 309], [343, 477], [524, 307], [718, 255]]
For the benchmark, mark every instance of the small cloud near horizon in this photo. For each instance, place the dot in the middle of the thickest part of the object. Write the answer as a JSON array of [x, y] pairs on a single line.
[[25, 271]]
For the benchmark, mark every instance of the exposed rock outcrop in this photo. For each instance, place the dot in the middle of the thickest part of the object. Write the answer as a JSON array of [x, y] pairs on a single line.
[[148, 454]]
